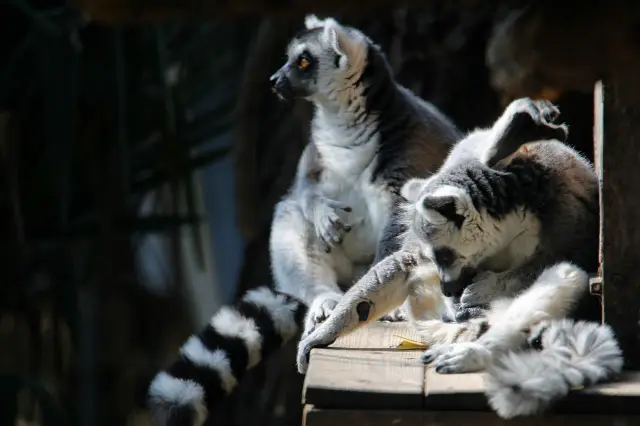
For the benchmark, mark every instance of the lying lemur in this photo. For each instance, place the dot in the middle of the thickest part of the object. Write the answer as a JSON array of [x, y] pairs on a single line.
[[369, 135], [508, 233]]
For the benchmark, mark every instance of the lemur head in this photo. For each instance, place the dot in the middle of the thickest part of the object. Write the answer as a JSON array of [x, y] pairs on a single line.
[[324, 61], [466, 213], [454, 234]]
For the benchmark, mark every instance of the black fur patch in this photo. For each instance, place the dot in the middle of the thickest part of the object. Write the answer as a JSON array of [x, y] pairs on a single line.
[[363, 309], [234, 346], [398, 118], [271, 340], [209, 379]]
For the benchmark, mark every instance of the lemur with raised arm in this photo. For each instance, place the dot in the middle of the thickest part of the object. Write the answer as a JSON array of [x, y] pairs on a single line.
[[368, 136], [508, 229]]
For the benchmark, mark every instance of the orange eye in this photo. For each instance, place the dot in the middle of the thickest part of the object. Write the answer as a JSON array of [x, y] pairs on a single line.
[[303, 63]]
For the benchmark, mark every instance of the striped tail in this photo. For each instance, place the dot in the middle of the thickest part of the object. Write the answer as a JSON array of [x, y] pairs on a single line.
[[572, 354], [213, 361]]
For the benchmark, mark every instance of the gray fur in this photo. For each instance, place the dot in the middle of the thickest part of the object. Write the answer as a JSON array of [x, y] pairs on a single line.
[[369, 135], [563, 354], [536, 207], [525, 230]]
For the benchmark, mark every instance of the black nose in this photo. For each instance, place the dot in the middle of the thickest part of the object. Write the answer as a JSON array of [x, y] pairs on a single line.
[[280, 84]]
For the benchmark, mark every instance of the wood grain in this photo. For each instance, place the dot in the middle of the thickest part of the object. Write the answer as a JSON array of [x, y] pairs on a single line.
[[377, 335], [364, 379], [620, 214]]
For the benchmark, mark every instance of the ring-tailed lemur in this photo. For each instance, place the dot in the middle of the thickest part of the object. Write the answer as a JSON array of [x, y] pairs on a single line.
[[369, 135], [516, 228]]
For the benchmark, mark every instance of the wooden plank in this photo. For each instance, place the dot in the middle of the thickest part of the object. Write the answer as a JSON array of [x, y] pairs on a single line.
[[364, 379], [620, 244], [377, 335], [326, 417], [454, 391], [466, 392]]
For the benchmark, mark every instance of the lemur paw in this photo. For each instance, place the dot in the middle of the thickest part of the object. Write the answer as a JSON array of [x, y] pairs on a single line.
[[484, 289], [396, 315], [304, 349], [329, 227], [319, 311], [465, 357]]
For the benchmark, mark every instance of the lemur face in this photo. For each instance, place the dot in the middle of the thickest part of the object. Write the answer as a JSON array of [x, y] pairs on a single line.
[[321, 60]]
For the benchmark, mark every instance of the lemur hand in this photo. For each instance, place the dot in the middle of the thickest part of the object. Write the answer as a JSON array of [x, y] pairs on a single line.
[[329, 227]]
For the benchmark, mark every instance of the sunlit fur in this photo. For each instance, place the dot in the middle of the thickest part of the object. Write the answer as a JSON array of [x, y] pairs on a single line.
[[524, 218], [535, 206], [368, 136]]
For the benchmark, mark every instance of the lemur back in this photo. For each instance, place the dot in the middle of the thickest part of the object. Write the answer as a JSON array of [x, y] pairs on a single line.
[[368, 135]]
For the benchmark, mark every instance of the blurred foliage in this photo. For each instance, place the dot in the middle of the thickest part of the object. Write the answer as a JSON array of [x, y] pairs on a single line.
[[92, 120]]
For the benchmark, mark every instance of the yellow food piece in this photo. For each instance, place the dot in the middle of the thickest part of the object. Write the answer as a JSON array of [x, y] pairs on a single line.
[[408, 344]]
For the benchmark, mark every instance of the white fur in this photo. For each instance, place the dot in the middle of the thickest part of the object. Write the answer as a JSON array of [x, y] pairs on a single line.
[[167, 392], [280, 311], [229, 322], [574, 354], [347, 142], [551, 296], [217, 360]]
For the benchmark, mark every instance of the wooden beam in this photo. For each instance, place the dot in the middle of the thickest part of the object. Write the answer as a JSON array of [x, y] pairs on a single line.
[[326, 417], [619, 145]]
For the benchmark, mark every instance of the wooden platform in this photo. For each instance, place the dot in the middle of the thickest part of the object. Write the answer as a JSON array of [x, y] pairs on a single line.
[[363, 379]]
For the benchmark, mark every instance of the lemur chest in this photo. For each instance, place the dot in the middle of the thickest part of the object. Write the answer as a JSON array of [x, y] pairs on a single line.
[[370, 204]]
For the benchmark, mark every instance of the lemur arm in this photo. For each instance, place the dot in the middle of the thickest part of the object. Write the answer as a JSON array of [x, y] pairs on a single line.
[[489, 286], [390, 242], [384, 287]]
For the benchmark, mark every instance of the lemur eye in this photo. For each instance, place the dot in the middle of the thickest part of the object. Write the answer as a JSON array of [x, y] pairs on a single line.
[[445, 256], [303, 62]]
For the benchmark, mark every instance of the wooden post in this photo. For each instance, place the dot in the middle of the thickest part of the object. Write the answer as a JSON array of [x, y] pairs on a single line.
[[617, 137]]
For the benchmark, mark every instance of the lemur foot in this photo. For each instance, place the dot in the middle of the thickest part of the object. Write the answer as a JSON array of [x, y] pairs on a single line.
[[397, 315], [320, 309], [329, 227], [534, 119], [485, 288], [465, 357]]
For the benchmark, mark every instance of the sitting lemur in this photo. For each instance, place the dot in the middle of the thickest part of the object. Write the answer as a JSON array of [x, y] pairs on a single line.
[[369, 135]]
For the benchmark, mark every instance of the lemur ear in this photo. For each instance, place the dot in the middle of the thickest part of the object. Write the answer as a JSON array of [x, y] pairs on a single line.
[[312, 21], [410, 191], [442, 209], [350, 47]]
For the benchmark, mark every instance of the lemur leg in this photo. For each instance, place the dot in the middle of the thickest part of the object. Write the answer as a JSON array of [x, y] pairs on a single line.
[[301, 266], [381, 289], [552, 296], [524, 120], [489, 286]]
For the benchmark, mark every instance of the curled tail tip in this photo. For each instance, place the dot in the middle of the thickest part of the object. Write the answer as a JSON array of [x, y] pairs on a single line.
[[523, 384], [176, 402]]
